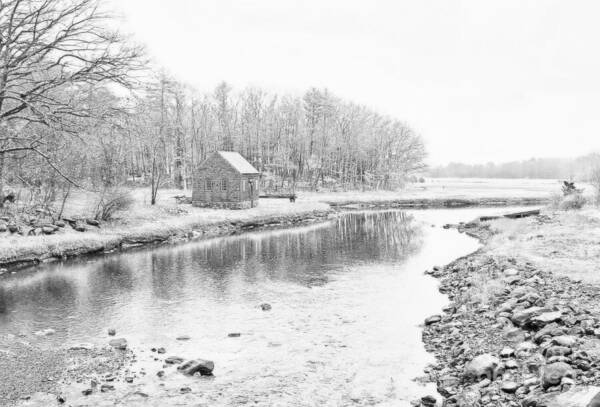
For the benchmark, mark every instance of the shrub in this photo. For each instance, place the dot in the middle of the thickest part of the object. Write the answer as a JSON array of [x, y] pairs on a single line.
[[570, 202], [111, 202]]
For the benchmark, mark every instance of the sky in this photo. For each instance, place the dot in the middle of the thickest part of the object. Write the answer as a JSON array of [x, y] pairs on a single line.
[[479, 80]]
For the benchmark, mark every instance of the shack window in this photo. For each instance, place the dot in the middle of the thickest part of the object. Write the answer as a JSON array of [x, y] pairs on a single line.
[[208, 185], [244, 185], [224, 185]]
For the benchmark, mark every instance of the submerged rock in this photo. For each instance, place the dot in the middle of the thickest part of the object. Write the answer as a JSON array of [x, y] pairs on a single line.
[[265, 307], [119, 343], [191, 367]]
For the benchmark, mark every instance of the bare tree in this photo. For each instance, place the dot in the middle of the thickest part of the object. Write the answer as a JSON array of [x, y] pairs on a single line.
[[51, 51]]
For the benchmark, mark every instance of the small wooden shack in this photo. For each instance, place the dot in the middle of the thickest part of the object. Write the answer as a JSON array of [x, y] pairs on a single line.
[[225, 180]]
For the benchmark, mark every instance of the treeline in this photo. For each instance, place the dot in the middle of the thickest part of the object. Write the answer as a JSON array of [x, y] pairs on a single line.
[[79, 108], [579, 168]]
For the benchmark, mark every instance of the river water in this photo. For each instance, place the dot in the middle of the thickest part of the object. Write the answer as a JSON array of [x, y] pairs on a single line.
[[347, 296]]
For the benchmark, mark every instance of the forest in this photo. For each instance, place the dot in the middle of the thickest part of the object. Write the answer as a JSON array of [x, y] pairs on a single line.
[[83, 108]]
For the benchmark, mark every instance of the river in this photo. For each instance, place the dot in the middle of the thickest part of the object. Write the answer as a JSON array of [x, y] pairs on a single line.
[[347, 296]]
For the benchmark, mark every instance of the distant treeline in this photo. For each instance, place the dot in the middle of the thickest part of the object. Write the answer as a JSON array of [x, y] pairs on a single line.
[[579, 168]]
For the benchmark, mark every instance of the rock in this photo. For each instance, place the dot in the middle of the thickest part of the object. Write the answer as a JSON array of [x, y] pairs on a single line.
[[82, 346], [45, 332], [112, 332], [173, 360], [48, 230], [433, 320], [87, 392], [92, 222], [204, 367], [79, 227], [554, 373], [119, 343], [522, 317], [578, 396], [428, 401], [183, 338], [3, 227], [557, 351], [161, 350], [543, 319], [60, 223], [234, 335], [185, 390], [482, 367], [265, 307], [12, 228], [106, 388], [525, 349], [470, 397], [160, 373], [507, 353], [129, 379], [61, 398], [564, 340], [509, 387], [511, 272]]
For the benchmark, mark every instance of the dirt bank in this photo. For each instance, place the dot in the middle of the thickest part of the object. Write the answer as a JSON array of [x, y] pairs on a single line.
[[515, 332]]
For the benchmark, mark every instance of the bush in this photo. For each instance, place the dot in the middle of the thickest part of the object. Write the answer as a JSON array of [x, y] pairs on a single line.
[[111, 202], [569, 202]]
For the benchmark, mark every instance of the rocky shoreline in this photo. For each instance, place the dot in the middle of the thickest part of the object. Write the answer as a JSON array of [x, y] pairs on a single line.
[[513, 335]]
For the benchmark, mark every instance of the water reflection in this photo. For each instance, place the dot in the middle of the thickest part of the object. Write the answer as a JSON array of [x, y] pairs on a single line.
[[347, 297]]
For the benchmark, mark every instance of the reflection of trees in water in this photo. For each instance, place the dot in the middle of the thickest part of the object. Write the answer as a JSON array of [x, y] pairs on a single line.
[[306, 257], [216, 268]]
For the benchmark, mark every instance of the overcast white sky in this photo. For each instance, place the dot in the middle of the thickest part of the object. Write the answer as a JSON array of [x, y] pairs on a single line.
[[480, 80]]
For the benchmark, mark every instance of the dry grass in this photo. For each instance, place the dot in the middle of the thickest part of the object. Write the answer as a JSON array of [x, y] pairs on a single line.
[[568, 243]]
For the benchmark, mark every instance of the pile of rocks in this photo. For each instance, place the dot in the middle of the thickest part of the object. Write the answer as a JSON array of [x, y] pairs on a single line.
[[33, 226], [513, 335]]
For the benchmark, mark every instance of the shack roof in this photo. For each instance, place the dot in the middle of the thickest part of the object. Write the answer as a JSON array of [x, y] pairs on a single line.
[[238, 162]]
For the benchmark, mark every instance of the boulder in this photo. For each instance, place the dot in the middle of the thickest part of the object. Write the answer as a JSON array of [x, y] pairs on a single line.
[[191, 367], [484, 367], [12, 228], [3, 227], [578, 396], [543, 319], [554, 373], [522, 317]]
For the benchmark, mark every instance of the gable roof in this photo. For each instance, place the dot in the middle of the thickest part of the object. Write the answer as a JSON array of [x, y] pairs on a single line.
[[238, 162]]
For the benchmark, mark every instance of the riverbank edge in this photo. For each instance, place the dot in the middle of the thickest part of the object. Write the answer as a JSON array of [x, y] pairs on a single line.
[[115, 243], [449, 336], [112, 243]]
